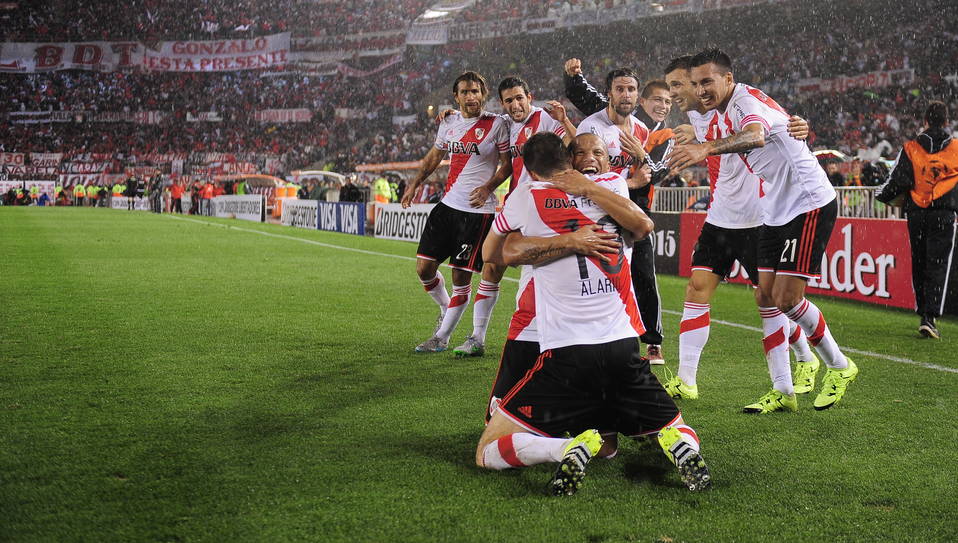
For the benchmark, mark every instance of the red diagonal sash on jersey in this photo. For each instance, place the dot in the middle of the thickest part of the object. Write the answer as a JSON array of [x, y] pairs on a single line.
[[714, 162], [458, 161], [525, 312], [517, 163], [766, 99], [560, 221]]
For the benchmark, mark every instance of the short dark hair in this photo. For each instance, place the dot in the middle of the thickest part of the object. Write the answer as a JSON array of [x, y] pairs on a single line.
[[511, 82], [471, 76], [714, 56], [655, 84], [544, 154], [937, 114], [620, 72], [683, 62]]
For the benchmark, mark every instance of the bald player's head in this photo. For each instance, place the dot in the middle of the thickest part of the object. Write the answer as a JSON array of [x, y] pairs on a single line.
[[589, 154]]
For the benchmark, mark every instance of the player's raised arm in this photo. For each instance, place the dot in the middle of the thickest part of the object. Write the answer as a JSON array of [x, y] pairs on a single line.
[[557, 111], [428, 164]]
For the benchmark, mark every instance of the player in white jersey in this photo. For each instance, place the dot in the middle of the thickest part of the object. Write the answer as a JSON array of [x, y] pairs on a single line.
[[731, 232], [477, 142], [522, 120], [626, 136], [590, 373], [798, 203]]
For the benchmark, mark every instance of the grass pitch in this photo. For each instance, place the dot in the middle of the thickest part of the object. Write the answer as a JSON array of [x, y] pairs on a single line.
[[165, 379]]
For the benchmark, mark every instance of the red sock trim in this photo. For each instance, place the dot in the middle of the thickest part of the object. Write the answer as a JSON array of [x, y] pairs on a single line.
[[816, 338], [456, 301], [689, 432], [431, 285], [508, 451], [695, 323], [773, 340], [796, 335]]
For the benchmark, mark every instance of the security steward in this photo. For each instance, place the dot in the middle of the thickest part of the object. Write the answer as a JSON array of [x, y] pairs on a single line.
[[923, 182]]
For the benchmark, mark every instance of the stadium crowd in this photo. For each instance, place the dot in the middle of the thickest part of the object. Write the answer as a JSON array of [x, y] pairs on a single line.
[[146, 20], [384, 117]]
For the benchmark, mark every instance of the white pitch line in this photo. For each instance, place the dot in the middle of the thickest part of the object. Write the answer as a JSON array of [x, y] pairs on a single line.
[[871, 354]]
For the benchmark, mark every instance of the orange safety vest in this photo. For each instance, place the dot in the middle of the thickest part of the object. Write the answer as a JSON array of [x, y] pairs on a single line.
[[935, 174]]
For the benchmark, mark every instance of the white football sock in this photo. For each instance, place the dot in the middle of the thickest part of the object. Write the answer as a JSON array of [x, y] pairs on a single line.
[[457, 306], [436, 288], [519, 450], [806, 315], [774, 325], [798, 342], [486, 296], [693, 335]]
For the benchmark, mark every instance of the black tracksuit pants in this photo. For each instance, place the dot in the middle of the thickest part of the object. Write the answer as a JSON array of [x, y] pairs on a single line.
[[647, 290], [932, 236]]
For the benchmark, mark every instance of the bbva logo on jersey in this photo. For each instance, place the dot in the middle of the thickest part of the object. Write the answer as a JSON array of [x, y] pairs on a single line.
[[461, 148], [559, 203]]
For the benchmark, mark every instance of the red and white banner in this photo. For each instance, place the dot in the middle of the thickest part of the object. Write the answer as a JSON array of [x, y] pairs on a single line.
[[67, 179], [45, 159], [169, 56], [29, 170], [84, 167], [42, 117], [300, 115], [162, 158], [47, 57], [353, 72], [12, 159], [218, 55], [868, 260], [866, 80], [204, 117]]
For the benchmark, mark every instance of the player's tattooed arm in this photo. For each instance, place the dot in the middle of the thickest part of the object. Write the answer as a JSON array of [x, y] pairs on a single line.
[[589, 240], [748, 138], [684, 156], [429, 164]]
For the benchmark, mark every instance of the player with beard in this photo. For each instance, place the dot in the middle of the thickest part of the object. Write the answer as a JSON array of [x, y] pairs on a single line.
[[477, 142], [589, 373], [798, 202], [730, 233], [627, 136], [523, 120]]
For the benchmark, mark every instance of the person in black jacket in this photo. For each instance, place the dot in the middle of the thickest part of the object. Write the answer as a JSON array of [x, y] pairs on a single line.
[[924, 178], [130, 193], [655, 103]]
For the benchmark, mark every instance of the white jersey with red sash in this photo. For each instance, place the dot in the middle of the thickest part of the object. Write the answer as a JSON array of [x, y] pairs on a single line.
[[473, 145], [519, 133], [792, 180], [734, 190], [601, 125], [579, 300]]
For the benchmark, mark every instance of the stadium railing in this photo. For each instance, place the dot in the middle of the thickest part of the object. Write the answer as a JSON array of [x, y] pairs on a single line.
[[857, 202]]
